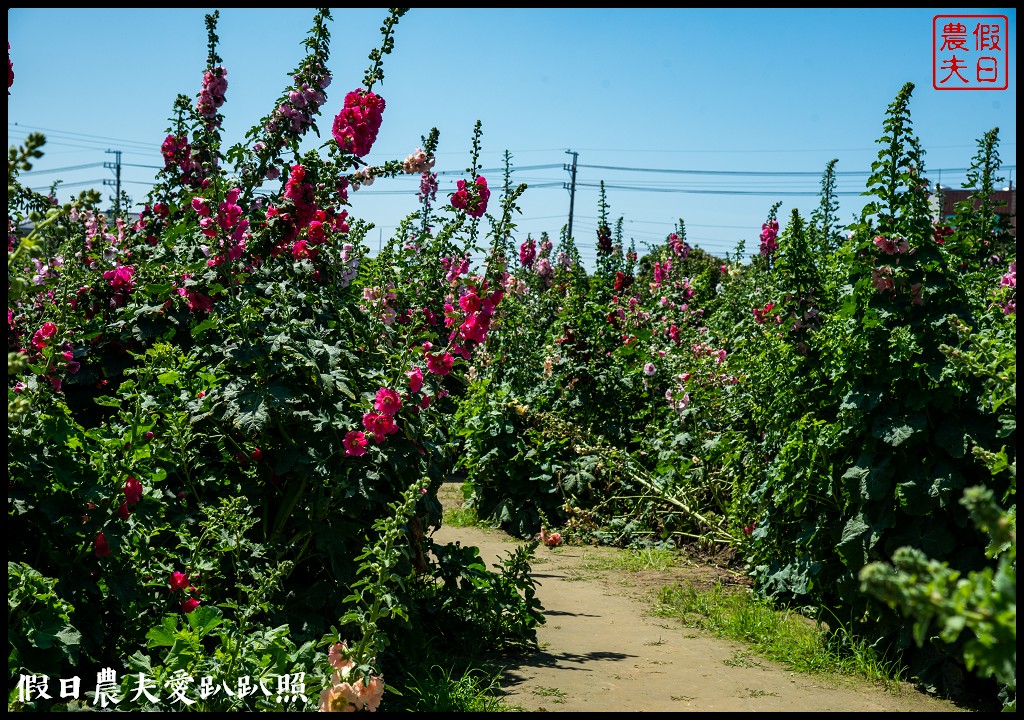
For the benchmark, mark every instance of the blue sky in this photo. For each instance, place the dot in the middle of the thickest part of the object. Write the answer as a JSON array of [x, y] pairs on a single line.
[[718, 97]]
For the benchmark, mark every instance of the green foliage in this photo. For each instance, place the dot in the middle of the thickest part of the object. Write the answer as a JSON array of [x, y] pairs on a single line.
[[945, 604]]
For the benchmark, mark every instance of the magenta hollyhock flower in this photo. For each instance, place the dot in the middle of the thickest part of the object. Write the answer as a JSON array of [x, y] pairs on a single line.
[[474, 328], [356, 126], [471, 199], [769, 233], [46, 331], [123, 512], [121, 278], [483, 195], [528, 253], [469, 302], [189, 605], [355, 443], [100, 545], [197, 302], [440, 363], [200, 206], [415, 379], [380, 425], [132, 491], [388, 401], [178, 580]]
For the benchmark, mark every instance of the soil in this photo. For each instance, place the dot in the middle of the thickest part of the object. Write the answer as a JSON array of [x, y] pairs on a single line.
[[602, 649]]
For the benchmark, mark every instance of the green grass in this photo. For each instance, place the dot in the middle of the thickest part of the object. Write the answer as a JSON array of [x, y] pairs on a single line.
[[634, 560], [437, 689], [461, 517], [780, 635]]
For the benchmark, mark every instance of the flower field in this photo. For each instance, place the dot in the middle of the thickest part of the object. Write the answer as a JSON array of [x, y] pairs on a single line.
[[228, 421]]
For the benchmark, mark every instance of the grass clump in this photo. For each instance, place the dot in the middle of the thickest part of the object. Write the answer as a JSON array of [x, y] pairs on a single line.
[[784, 636]]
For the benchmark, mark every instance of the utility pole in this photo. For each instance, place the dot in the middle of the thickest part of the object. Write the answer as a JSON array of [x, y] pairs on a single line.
[[116, 167], [571, 188]]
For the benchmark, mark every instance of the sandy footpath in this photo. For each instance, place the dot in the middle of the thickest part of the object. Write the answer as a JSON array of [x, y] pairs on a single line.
[[601, 650]]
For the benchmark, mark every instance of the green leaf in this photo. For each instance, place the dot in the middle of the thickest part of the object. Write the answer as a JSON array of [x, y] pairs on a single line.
[[47, 630], [168, 378], [163, 636], [852, 547], [204, 619], [896, 431], [952, 437]]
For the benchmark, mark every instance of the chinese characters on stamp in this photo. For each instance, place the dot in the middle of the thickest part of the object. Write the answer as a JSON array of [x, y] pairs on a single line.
[[970, 52]]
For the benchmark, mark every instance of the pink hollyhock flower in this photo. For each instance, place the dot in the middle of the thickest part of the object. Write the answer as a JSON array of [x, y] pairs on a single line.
[[356, 126], [415, 379], [197, 302], [388, 401], [882, 279], [528, 253], [132, 491], [474, 328], [178, 580], [200, 206], [440, 363], [121, 278], [649, 369], [189, 605], [769, 233], [355, 443], [469, 302], [473, 199], [46, 331], [102, 549], [380, 425]]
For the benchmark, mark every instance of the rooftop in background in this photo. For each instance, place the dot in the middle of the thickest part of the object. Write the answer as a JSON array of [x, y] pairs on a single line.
[[1005, 199]]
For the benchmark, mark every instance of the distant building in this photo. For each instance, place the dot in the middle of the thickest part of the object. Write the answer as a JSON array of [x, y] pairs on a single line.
[[949, 197]]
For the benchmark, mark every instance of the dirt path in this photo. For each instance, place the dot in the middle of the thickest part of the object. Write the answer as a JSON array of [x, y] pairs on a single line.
[[601, 650]]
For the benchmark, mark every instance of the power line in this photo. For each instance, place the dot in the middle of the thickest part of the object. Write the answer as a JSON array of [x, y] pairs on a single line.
[[774, 193], [758, 173], [62, 169]]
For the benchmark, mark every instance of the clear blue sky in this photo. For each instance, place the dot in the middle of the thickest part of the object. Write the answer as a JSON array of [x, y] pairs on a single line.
[[741, 90]]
